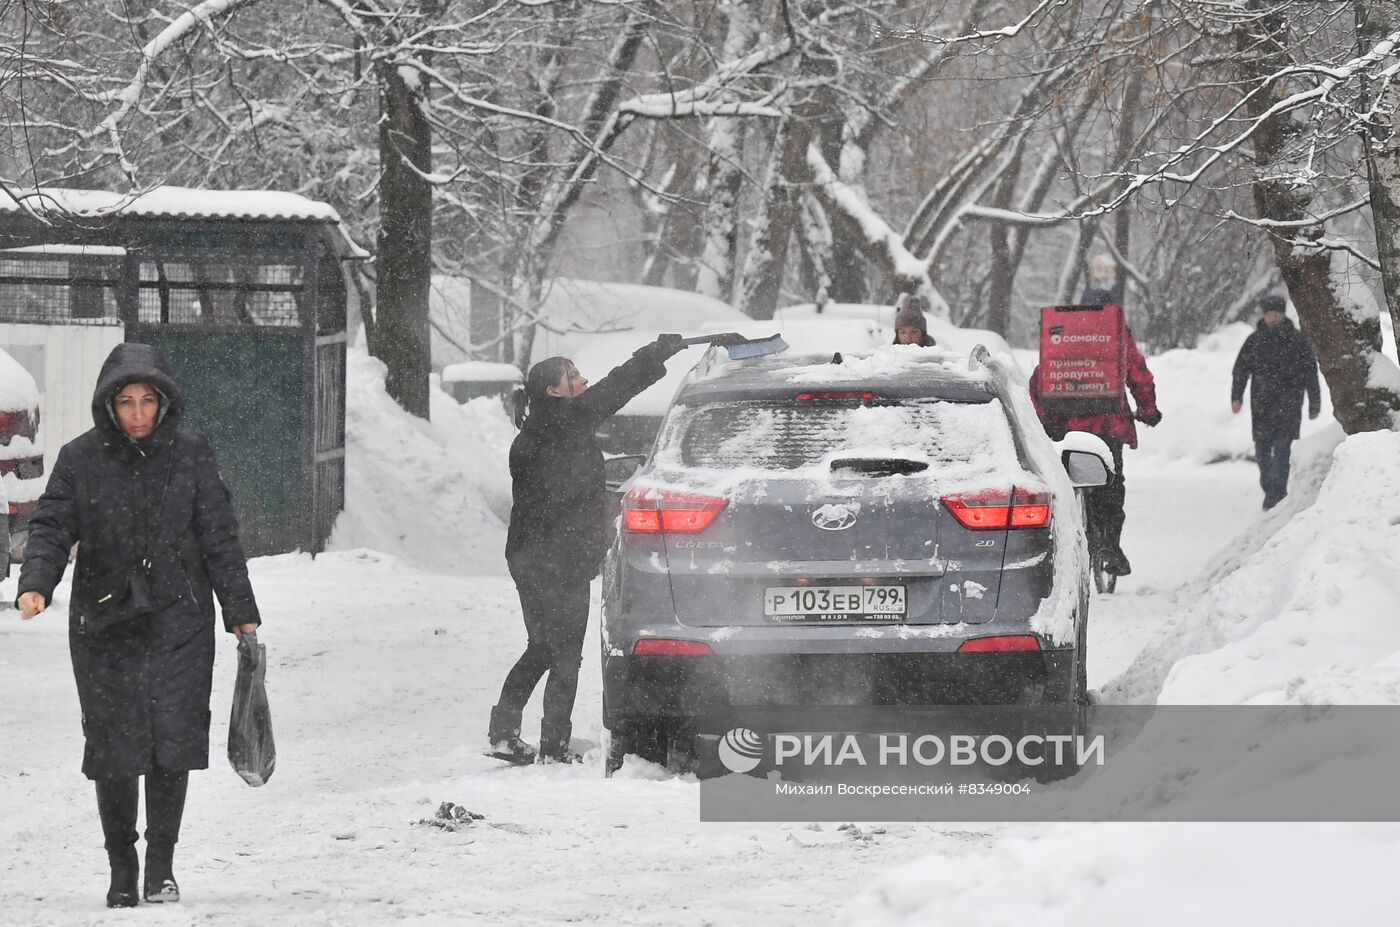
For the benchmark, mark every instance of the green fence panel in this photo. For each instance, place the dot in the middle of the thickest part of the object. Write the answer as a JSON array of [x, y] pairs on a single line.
[[246, 392]]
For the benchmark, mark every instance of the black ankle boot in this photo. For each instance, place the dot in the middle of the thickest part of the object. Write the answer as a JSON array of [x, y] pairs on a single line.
[[159, 886], [125, 870], [554, 743], [504, 735]]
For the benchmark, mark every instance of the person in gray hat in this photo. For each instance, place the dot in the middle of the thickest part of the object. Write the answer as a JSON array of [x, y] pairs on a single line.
[[1279, 367], [910, 326]]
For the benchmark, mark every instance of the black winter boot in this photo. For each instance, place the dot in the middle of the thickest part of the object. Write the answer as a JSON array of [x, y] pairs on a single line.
[[554, 743], [116, 806], [165, 808], [504, 735], [160, 886]]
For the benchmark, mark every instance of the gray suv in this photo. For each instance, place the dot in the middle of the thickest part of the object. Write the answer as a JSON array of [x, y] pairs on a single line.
[[816, 531]]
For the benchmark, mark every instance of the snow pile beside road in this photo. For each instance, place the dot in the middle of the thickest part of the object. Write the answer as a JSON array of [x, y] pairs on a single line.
[[1148, 875], [1308, 617], [1304, 617], [436, 493]]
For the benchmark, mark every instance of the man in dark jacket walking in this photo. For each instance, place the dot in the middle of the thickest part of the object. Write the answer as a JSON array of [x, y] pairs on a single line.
[[1279, 366], [558, 536], [157, 540]]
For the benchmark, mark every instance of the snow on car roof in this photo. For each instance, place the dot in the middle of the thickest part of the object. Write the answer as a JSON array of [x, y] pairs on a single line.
[[18, 391], [900, 366]]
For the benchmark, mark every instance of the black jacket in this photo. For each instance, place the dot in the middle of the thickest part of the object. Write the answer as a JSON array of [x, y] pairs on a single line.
[[1280, 367], [143, 683], [559, 495]]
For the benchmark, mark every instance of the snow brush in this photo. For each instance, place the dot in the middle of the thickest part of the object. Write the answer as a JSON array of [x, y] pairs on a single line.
[[740, 347]]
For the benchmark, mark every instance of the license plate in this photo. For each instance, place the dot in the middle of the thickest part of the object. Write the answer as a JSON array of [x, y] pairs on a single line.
[[834, 603]]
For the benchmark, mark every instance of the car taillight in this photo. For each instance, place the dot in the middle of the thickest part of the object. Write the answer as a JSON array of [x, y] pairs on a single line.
[[1008, 643], [834, 397], [996, 509], [648, 510], [665, 647]]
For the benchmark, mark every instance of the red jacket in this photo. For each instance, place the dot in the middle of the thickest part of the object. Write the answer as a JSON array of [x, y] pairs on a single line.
[[1117, 426]]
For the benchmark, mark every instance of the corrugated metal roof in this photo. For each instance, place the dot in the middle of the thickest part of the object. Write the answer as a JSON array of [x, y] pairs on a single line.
[[177, 203], [172, 203]]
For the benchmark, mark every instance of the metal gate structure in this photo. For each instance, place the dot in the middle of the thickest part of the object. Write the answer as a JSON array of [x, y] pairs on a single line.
[[245, 293]]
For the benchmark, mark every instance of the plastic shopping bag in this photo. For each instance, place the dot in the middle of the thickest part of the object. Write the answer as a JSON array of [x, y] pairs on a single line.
[[250, 748]]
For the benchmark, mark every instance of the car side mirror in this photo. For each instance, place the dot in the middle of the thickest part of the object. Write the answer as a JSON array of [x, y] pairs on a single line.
[[1085, 468], [618, 470]]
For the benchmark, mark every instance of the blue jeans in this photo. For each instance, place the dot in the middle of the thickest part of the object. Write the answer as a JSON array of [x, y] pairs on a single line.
[[1272, 455]]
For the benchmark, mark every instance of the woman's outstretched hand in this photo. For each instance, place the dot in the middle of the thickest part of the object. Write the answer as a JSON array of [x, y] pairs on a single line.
[[31, 604], [669, 345]]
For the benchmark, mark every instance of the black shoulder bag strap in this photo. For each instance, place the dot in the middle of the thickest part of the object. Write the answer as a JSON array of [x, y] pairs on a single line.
[[140, 588]]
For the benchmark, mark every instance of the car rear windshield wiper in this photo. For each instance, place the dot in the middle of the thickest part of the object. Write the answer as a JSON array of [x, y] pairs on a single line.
[[880, 466]]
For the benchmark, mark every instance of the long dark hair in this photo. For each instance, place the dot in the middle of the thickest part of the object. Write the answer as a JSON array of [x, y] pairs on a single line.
[[541, 377]]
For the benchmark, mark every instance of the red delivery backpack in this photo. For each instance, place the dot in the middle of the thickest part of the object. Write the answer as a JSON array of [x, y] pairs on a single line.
[[1083, 359]]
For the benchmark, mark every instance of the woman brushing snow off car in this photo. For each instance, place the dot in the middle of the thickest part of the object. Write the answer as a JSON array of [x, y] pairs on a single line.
[[156, 538], [557, 535]]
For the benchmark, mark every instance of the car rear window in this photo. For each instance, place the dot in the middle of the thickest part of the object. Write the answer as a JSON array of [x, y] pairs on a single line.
[[787, 435]]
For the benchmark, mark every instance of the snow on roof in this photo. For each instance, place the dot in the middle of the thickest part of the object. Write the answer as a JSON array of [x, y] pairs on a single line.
[[173, 203], [179, 203], [17, 388], [68, 250], [481, 372]]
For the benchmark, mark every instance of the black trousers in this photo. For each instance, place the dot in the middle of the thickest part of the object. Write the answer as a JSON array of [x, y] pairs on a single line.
[[1272, 454], [165, 808], [1106, 502], [556, 617]]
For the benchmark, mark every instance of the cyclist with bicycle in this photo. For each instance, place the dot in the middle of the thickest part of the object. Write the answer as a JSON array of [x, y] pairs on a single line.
[[1105, 503]]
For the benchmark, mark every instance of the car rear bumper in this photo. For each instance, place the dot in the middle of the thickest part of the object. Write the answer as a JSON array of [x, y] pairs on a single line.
[[715, 692]]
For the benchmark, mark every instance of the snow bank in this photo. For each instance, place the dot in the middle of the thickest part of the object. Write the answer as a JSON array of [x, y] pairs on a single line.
[[1304, 616], [436, 493], [1307, 616], [1149, 875]]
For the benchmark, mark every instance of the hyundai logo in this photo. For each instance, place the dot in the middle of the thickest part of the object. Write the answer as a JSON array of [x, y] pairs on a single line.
[[835, 516]]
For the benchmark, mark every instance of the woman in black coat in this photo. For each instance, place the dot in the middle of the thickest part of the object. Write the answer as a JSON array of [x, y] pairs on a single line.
[[157, 540], [557, 535]]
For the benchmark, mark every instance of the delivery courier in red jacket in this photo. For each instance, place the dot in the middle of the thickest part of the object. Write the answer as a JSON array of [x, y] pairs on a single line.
[[1082, 384]]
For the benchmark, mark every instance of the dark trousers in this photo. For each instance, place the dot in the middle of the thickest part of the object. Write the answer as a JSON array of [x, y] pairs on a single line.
[[1106, 503], [165, 808], [1272, 456], [556, 617]]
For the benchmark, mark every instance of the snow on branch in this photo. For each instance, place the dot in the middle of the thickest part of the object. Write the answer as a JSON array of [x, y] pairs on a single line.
[[1006, 32], [1321, 93], [199, 15], [876, 233], [665, 106]]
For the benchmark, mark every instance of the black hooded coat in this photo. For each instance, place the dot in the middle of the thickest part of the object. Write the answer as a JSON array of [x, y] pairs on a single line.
[[1279, 367], [558, 529], [143, 682]]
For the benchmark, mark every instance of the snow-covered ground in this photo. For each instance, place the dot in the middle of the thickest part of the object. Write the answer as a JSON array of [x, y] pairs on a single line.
[[386, 654]]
